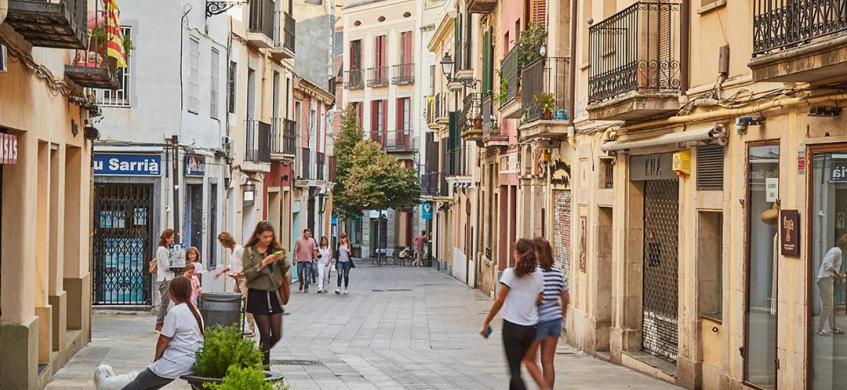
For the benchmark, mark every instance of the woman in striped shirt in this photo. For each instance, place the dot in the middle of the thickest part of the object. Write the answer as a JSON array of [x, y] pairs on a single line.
[[551, 311]]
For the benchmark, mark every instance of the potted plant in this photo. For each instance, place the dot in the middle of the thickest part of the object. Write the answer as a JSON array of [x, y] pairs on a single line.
[[547, 103], [529, 43], [238, 378], [504, 88], [223, 349], [477, 122]]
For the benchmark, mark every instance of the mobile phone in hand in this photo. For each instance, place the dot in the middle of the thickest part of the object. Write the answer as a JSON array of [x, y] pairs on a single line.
[[487, 332]]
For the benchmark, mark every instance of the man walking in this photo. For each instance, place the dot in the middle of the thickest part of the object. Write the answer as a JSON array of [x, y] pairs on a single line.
[[304, 253], [420, 245]]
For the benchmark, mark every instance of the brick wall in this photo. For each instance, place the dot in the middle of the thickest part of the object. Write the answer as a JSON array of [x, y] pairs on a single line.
[[562, 229]]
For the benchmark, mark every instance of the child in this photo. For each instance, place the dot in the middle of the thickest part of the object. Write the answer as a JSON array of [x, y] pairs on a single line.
[[193, 257]]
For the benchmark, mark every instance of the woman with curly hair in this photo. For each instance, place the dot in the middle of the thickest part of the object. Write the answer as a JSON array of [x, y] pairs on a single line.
[[519, 296]]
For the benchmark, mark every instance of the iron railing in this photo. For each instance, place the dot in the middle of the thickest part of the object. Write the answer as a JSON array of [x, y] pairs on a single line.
[[394, 140], [262, 17], [635, 49], [93, 67], [509, 77], [289, 32], [276, 135], [306, 160], [471, 115], [780, 24], [429, 183], [289, 137], [257, 147], [430, 110], [320, 159], [353, 79], [545, 78], [441, 105], [403, 74], [378, 76], [57, 24], [488, 118]]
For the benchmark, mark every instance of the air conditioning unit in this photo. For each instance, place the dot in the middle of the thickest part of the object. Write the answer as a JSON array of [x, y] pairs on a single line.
[[3, 55]]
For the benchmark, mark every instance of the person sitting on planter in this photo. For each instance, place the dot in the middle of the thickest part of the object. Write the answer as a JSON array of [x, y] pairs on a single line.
[[181, 338]]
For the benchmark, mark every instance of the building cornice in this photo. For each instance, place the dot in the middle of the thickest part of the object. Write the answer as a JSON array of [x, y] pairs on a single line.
[[442, 31]]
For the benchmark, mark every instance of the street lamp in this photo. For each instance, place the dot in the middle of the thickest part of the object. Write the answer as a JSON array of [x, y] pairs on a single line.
[[447, 66]]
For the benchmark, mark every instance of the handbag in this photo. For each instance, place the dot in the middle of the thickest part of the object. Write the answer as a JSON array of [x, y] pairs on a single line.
[[153, 266]]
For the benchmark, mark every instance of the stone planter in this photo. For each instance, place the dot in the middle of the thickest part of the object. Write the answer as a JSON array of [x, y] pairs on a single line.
[[197, 382]]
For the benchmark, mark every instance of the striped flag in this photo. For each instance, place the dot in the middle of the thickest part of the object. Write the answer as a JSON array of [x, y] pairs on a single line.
[[115, 43]]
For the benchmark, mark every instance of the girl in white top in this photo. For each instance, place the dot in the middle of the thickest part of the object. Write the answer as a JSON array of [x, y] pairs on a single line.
[[324, 262], [236, 266], [181, 338], [519, 296]]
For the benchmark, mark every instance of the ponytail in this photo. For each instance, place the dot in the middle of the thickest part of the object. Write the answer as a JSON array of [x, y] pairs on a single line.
[[196, 315], [180, 290]]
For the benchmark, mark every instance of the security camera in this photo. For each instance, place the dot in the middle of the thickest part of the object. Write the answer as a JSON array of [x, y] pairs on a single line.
[[740, 125]]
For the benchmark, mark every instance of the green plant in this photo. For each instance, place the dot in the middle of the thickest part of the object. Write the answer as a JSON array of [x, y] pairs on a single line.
[[504, 88], [547, 102], [238, 378], [224, 348], [529, 43]]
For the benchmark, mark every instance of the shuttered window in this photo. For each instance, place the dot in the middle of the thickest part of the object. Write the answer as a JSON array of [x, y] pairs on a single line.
[[710, 167], [231, 87], [193, 75], [379, 51], [406, 47], [487, 63], [214, 91], [457, 43], [355, 55], [539, 12], [468, 44]]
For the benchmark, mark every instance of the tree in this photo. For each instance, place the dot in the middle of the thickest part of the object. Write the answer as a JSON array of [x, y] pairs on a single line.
[[349, 135]]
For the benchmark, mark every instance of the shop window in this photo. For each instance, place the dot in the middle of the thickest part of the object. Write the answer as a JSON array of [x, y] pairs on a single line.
[[709, 265], [827, 291]]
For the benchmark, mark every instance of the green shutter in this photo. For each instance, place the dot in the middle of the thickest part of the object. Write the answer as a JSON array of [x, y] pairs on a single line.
[[486, 63], [457, 43], [453, 140]]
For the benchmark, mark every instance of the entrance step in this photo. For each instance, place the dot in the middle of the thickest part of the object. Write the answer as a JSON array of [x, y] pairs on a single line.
[[651, 365]]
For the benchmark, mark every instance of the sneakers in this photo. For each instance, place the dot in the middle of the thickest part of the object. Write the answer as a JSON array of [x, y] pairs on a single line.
[[306, 290], [337, 291], [344, 291]]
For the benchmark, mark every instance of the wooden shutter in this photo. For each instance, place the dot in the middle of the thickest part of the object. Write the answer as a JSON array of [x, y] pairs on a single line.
[[406, 47], [487, 63], [375, 116], [384, 106], [398, 117], [379, 51], [538, 13], [468, 42], [355, 55], [457, 43]]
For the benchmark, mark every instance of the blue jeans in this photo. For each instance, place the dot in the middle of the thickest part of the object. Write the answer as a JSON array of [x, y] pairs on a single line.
[[343, 272], [304, 273]]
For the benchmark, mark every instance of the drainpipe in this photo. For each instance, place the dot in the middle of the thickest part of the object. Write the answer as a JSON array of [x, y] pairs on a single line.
[[572, 66], [685, 34], [4, 9]]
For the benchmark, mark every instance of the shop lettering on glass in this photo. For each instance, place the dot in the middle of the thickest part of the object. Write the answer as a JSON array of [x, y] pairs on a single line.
[[838, 171], [789, 229], [8, 148]]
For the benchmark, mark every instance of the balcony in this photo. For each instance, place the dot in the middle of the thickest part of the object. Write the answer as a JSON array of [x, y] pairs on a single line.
[[510, 98], [394, 141], [378, 77], [442, 116], [404, 74], [284, 38], [799, 41], [57, 23], [491, 136], [353, 79], [544, 86], [92, 67], [481, 6], [257, 148], [430, 112], [283, 140], [429, 184], [320, 159], [635, 65], [471, 119], [260, 29]]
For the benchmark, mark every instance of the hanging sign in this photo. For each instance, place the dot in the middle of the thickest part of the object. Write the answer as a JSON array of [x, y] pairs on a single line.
[[771, 189], [8, 149], [789, 233], [426, 210], [127, 164]]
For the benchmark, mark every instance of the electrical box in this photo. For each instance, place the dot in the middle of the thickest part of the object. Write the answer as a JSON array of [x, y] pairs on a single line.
[[682, 163], [723, 60]]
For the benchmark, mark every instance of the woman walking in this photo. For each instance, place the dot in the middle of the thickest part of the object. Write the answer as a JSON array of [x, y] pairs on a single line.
[[551, 311], [343, 263], [236, 265], [164, 275], [181, 338], [519, 295], [266, 271], [324, 262]]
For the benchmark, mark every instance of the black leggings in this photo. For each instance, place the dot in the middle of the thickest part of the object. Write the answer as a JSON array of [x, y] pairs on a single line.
[[270, 332], [147, 380], [516, 340], [343, 272]]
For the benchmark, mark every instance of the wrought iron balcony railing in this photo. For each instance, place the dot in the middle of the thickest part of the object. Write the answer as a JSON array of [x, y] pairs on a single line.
[[394, 140], [441, 106], [289, 32], [403, 74], [471, 117], [283, 136], [781, 24], [257, 146], [58, 24], [510, 77], [354, 79], [488, 119], [262, 17], [378, 76], [544, 89], [92, 67], [635, 49]]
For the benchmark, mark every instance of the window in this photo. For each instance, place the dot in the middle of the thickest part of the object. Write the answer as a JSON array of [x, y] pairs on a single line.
[[355, 55], [119, 97], [193, 75], [213, 96], [231, 86], [379, 51], [378, 119], [406, 47], [404, 114]]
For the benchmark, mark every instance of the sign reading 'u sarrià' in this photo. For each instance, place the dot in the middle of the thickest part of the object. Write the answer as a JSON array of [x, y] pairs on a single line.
[[119, 164]]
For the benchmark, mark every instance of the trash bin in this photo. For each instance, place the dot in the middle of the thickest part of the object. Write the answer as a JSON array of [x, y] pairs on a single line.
[[222, 309]]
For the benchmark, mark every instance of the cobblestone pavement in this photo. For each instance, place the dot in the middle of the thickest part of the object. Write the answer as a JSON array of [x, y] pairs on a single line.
[[398, 328]]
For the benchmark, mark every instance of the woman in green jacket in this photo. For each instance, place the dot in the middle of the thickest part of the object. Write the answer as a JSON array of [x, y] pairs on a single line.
[[266, 270]]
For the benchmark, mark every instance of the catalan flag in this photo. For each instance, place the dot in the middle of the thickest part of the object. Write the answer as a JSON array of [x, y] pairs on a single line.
[[115, 43]]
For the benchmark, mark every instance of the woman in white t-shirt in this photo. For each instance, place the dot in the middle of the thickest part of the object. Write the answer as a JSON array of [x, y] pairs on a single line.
[[324, 262], [181, 338], [519, 296], [234, 269]]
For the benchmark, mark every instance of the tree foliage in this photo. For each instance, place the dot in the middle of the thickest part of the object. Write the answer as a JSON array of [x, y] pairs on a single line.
[[349, 135], [378, 182]]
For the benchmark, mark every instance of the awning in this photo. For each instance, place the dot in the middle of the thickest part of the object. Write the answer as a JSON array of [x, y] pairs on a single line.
[[714, 134]]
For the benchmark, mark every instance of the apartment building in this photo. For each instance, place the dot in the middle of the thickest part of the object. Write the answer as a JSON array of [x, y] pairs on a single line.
[[46, 135], [380, 57]]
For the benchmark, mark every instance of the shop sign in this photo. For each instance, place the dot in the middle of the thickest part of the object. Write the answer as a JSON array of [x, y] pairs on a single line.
[[8, 148], [426, 210], [838, 171], [195, 165], [789, 233], [114, 164], [771, 189], [652, 167], [561, 175], [801, 160]]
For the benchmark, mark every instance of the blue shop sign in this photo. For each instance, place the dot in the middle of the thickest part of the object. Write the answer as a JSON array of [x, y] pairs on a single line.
[[426, 210], [115, 164]]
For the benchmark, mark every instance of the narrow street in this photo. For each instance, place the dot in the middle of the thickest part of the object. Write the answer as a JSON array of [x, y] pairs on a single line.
[[398, 328]]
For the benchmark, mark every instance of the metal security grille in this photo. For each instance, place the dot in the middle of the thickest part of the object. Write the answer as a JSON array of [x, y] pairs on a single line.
[[562, 230], [661, 222], [123, 239]]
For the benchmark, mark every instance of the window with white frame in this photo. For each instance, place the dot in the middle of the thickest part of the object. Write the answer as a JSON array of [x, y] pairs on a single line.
[[193, 75], [119, 97], [213, 96]]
